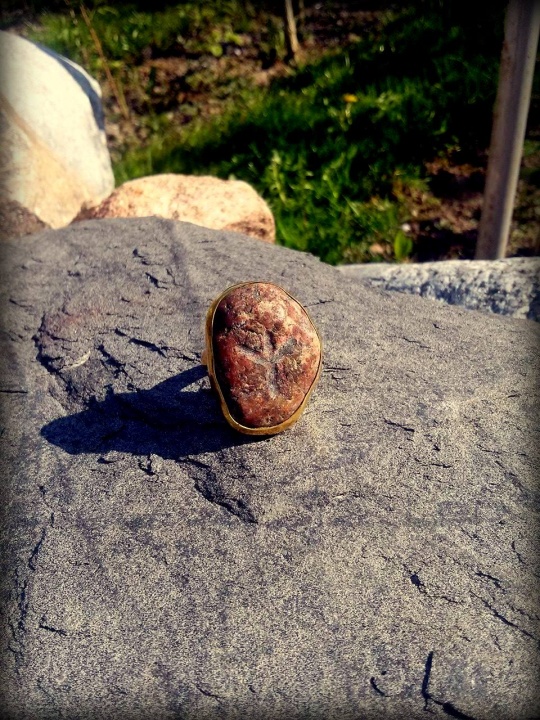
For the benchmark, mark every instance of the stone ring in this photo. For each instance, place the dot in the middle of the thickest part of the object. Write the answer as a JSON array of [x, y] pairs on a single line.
[[264, 357]]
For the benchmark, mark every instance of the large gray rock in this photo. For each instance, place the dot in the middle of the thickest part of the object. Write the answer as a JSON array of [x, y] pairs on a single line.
[[53, 156], [377, 560], [510, 286]]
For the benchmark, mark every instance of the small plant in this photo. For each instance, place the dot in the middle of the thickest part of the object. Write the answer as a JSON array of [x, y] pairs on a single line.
[[402, 246]]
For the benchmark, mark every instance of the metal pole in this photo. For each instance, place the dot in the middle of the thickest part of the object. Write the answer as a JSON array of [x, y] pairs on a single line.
[[509, 120]]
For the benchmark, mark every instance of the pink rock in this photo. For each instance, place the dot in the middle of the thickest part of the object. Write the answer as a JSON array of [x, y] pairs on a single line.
[[267, 354], [202, 200]]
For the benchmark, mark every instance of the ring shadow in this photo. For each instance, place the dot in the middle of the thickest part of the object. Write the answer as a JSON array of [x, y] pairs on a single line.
[[164, 420]]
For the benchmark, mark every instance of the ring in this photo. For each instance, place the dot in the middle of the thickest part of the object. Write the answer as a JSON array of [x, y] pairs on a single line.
[[264, 357]]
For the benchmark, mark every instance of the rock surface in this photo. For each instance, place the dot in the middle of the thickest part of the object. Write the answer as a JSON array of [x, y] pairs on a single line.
[[17, 221], [202, 200], [510, 286], [54, 155], [266, 354], [377, 560]]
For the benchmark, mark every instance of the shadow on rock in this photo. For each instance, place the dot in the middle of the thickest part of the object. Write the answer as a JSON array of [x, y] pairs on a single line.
[[166, 421]]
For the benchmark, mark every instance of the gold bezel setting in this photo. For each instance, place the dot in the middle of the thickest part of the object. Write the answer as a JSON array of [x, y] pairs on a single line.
[[208, 359]]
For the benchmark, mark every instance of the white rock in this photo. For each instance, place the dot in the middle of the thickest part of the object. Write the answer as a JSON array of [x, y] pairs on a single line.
[[510, 286], [54, 155]]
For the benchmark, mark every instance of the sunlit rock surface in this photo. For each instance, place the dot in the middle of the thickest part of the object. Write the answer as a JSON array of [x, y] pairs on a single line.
[[377, 560], [510, 286], [199, 199], [53, 155]]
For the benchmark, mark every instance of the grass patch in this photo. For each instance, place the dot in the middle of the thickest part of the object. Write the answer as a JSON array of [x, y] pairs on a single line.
[[339, 146], [336, 147], [128, 32]]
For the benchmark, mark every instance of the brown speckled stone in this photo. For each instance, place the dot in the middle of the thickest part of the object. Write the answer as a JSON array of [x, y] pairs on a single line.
[[266, 354]]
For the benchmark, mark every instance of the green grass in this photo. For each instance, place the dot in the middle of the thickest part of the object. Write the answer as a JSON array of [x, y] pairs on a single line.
[[127, 31], [336, 147]]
